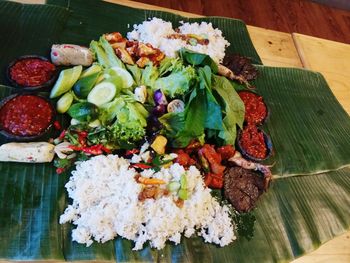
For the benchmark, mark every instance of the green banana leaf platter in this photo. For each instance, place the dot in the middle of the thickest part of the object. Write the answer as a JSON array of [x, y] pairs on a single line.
[[307, 204]]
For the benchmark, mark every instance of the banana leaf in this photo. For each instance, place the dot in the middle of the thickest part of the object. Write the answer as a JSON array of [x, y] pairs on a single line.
[[307, 204]]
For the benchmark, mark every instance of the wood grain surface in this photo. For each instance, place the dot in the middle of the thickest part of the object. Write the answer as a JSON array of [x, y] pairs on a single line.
[[330, 58], [289, 16]]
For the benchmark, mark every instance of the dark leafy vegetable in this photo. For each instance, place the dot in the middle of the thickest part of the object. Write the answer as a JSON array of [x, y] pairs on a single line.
[[233, 108], [197, 59]]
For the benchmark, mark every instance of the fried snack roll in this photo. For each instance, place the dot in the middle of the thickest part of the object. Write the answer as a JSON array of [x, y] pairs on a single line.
[[67, 54], [27, 152]]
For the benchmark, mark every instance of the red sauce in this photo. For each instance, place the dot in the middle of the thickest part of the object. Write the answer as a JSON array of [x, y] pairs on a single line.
[[252, 141], [255, 108], [26, 115], [32, 72]]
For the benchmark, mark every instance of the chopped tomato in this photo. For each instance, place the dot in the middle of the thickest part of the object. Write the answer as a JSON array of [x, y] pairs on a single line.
[[226, 151], [184, 159]]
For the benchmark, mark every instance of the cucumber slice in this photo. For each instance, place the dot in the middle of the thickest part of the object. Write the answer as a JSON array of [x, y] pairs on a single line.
[[83, 111], [95, 123], [65, 81], [85, 84], [102, 93], [95, 68], [126, 77], [64, 102]]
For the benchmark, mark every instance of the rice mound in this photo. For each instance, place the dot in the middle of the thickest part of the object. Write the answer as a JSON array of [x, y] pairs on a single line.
[[156, 30], [105, 205]]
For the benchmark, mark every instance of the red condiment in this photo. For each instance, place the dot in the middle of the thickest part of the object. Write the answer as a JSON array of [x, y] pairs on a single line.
[[252, 141], [26, 115], [255, 108], [32, 72]]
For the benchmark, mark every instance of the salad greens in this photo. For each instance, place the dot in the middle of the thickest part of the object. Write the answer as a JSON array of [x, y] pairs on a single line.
[[105, 54], [177, 83], [212, 109]]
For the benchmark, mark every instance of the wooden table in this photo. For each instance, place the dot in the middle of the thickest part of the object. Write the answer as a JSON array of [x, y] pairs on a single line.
[[280, 49]]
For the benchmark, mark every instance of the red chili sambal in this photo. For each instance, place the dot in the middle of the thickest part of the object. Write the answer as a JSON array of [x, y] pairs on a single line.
[[252, 141], [255, 108], [32, 72], [26, 115]]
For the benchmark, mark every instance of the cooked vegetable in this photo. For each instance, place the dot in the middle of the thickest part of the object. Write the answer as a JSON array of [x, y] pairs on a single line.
[[65, 81], [183, 194], [64, 102], [67, 54], [159, 144], [83, 111], [150, 181]]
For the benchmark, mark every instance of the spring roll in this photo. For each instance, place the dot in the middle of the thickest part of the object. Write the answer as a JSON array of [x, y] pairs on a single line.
[[67, 54], [27, 152]]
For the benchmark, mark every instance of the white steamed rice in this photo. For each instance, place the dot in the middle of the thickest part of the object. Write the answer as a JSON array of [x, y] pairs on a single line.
[[105, 204], [156, 30]]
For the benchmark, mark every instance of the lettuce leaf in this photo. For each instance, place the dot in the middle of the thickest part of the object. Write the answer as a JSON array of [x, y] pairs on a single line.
[[105, 54]]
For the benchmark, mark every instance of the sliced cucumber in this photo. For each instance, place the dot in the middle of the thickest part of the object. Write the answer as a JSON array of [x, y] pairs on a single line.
[[102, 93], [95, 123], [83, 111], [84, 85], [95, 68], [65, 81], [126, 77], [64, 102], [74, 121]]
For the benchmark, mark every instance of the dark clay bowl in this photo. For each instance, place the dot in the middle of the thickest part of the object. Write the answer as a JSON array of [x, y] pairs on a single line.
[[25, 138], [20, 88], [246, 155]]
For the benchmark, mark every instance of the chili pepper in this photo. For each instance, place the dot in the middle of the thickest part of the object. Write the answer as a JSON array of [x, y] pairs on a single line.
[[105, 149], [83, 134], [57, 125], [75, 148], [203, 161], [59, 170], [217, 181], [94, 149], [226, 151], [141, 166], [132, 151], [207, 179], [62, 134]]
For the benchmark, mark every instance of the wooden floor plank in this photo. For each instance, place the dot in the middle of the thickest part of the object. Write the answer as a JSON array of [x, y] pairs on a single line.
[[301, 16], [330, 58]]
